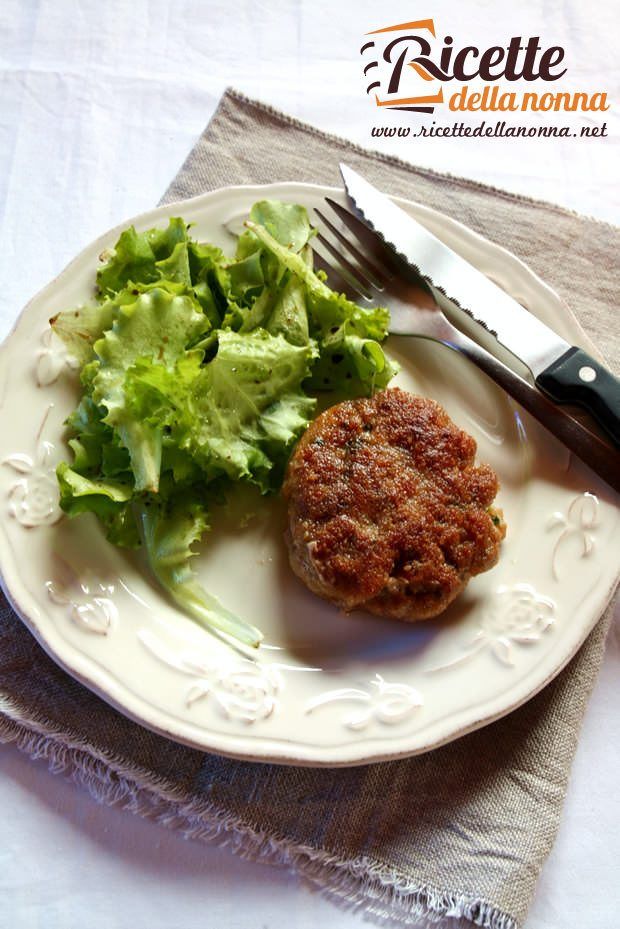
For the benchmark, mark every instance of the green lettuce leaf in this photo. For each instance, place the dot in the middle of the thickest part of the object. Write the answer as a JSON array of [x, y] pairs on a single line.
[[350, 359], [169, 531], [289, 315], [287, 223], [79, 493], [159, 327], [136, 255], [249, 394], [79, 329], [175, 267]]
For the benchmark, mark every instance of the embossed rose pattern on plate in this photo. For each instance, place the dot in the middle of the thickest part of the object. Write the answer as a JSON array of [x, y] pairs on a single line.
[[326, 689]]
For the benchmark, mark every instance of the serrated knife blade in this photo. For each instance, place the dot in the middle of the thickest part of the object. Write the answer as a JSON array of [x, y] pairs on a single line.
[[566, 373], [512, 325]]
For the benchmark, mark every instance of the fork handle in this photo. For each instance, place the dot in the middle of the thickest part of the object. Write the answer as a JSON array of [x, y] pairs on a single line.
[[586, 445]]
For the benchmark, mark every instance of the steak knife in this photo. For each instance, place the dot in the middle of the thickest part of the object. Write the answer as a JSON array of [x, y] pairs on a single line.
[[564, 372]]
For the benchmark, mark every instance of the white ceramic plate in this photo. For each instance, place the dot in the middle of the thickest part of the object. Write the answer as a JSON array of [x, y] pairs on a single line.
[[326, 689]]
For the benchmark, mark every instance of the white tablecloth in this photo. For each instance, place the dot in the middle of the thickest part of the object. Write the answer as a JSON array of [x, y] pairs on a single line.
[[99, 104]]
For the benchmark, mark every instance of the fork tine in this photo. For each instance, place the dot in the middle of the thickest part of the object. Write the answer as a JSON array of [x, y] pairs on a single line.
[[371, 240], [373, 275], [357, 278], [334, 277]]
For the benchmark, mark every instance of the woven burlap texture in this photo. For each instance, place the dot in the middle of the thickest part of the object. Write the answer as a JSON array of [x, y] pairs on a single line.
[[460, 833]]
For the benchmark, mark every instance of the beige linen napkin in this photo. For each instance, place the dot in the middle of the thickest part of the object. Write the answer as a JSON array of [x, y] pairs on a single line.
[[458, 832]]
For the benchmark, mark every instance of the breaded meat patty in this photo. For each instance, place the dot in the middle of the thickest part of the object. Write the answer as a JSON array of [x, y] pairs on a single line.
[[387, 510]]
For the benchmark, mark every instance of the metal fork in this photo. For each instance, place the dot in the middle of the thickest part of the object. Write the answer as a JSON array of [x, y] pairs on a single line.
[[371, 271]]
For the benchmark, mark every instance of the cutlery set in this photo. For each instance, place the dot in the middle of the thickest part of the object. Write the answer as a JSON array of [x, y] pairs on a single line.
[[379, 253]]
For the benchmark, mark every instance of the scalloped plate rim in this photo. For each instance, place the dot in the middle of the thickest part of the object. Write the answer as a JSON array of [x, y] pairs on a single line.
[[368, 750]]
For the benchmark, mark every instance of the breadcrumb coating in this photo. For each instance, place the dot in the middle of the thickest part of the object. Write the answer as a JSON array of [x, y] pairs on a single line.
[[387, 510]]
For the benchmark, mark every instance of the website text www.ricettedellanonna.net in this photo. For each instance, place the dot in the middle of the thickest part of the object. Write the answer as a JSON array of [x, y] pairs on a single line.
[[494, 130]]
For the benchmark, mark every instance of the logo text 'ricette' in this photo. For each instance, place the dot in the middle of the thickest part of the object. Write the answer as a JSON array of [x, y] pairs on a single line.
[[407, 69]]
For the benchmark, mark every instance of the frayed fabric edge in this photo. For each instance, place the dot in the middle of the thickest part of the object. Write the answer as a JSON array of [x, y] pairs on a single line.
[[362, 884]]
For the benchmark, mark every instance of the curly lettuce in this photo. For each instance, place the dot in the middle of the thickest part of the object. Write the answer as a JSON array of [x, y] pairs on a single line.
[[200, 372]]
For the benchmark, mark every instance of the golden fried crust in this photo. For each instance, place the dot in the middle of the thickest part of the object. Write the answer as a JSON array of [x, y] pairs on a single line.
[[387, 510]]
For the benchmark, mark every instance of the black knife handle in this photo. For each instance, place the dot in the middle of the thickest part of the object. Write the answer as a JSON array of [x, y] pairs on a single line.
[[576, 377], [592, 449]]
